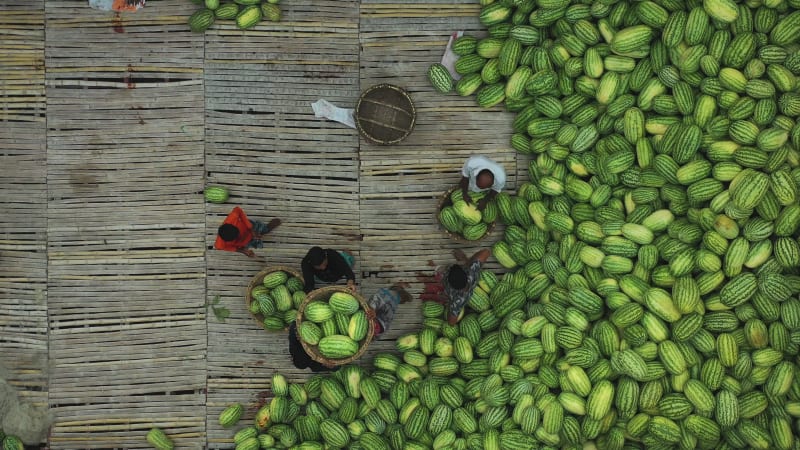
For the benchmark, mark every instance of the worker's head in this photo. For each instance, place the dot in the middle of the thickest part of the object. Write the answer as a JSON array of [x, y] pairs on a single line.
[[457, 277], [317, 258], [228, 232], [485, 179]]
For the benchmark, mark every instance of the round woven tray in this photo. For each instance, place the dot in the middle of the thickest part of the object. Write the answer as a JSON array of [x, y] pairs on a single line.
[[312, 350], [446, 201], [258, 279], [385, 114]]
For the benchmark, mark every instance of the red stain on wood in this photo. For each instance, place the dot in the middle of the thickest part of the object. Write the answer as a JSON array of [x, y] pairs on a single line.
[[433, 290], [127, 78], [261, 398], [118, 28]]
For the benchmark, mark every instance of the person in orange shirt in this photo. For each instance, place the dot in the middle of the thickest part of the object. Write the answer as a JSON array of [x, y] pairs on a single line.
[[240, 234]]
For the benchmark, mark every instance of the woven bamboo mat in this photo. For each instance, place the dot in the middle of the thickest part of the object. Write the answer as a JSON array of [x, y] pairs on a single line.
[[127, 338], [264, 143], [115, 266], [23, 190]]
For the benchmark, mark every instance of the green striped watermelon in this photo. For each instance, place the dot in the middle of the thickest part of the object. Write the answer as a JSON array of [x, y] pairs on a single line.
[[216, 194]]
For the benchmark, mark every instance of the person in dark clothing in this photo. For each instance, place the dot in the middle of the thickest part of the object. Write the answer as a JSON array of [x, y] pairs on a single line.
[[300, 358], [459, 280], [327, 265], [452, 285]]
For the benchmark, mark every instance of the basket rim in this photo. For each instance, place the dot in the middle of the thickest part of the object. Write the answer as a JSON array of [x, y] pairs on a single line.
[[404, 93], [443, 200], [312, 350], [256, 280]]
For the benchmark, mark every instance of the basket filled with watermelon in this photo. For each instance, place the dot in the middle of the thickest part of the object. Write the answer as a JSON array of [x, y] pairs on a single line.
[[274, 296], [333, 326], [463, 221]]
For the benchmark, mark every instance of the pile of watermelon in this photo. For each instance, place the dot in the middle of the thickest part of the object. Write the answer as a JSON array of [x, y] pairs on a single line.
[[636, 314], [336, 328], [464, 219], [452, 387], [246, 13], [275, 301]]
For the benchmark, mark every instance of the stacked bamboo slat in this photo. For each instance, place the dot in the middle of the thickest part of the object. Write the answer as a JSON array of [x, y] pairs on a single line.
[[127, 338], [23, 190]]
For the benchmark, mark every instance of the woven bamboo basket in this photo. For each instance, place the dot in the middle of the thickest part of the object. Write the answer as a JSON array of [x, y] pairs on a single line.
[[385, 114], [257, 280], [312, 350], [446, 201]]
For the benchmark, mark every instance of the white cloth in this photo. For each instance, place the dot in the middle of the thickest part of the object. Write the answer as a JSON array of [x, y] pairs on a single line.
[[325, 109], [449, 58], [475, 165]]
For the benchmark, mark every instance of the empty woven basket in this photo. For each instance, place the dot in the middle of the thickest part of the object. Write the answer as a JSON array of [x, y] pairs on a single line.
[[385, 114]]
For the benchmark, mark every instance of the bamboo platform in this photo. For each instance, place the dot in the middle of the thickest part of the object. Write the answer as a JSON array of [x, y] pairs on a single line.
[[110, 128]]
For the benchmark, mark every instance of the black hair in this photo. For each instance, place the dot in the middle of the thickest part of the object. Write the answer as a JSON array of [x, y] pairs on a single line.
[[486, 172], [228, 232], [315, 256], [404, 295], [457, 277]]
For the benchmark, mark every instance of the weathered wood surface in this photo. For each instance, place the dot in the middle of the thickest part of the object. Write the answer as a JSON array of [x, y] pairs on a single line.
[[113, 274], [23, 190], [126, 272]]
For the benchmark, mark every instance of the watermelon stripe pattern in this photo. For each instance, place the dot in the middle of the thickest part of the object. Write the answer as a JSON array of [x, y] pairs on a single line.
[[463, 219], [216, 194], [245, 14]]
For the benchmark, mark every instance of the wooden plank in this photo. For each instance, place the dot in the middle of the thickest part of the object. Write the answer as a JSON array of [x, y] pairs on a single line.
[[23, 188], [125, 219]]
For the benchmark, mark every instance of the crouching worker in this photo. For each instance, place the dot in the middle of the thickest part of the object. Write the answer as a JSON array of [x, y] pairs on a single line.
[[327, 265], [300, 358], [240, 234], [383, 304], [481, 174], [459, 281]]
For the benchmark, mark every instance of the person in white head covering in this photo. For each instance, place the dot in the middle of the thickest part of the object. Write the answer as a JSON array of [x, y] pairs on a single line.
[[481, 174]]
